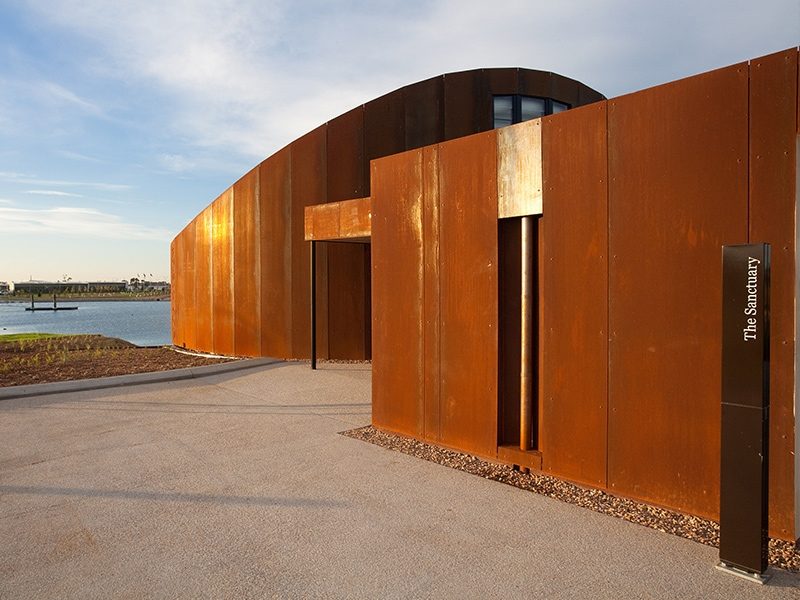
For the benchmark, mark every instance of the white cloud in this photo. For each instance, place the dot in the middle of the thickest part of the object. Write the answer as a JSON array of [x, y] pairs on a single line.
[[176, 163], [53, 193], [58, 94], [78, 156], [81, 222], [30, 180], [248, 76]]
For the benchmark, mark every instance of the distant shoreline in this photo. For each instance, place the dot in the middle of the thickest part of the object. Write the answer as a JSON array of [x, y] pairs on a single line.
[[45, 299]]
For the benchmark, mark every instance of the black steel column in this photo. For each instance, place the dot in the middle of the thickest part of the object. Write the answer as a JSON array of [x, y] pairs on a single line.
[[313, 304], [745, 410]]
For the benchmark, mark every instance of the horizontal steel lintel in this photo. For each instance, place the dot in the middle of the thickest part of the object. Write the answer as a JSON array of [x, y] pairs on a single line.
[[348, 220]]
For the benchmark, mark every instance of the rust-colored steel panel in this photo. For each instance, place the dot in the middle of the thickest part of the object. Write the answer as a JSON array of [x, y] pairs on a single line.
[[347, 179], [347, 301], [677, 193], [467, 104], [502, 81], [222, 268], [181, 302], [204, 293], [574, 232], [308, 186], [346, 161], [308, 222], [535, 83], [176, 280], [275, 219], [187, 273], [468, 292], [345, 220], [325, 221], [430, 297], [355, 218], [424, 113], [397, 293], [178, 301], [773, 99], [247, 266], [384, 127]]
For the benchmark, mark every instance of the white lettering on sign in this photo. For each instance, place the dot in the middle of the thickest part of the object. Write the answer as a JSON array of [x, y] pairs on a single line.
[[751, 307]]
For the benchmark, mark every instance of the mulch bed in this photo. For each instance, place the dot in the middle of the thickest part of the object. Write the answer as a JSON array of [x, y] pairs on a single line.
[[85, 357], [784, 555]]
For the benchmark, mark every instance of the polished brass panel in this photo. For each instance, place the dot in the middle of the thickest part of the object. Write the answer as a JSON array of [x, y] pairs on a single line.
[[519, 169]]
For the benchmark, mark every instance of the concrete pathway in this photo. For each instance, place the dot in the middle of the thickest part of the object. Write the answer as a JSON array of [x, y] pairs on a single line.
[[238, 486]]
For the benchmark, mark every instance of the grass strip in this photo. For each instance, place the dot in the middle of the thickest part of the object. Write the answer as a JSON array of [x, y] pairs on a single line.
[[25, 337]]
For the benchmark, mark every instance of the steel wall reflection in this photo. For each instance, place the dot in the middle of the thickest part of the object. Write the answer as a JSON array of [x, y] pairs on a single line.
[[247, 266]]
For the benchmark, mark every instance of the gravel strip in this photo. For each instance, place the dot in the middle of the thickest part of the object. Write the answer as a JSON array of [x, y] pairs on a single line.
[[332, 361], [784, 555]]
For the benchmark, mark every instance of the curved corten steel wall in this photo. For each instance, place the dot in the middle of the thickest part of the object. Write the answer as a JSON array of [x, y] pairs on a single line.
[[640, 193], [240, 269]]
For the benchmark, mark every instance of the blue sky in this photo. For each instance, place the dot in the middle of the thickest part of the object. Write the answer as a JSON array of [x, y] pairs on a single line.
[[119, 121]]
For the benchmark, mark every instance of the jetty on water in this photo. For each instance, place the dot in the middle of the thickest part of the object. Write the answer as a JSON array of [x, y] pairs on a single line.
[[34, 308]]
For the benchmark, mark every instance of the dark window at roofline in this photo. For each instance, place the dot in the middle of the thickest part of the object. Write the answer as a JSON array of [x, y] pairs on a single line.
[[508, 110]]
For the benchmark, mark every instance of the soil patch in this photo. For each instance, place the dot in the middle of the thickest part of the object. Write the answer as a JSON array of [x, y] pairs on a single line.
[[65, 358]]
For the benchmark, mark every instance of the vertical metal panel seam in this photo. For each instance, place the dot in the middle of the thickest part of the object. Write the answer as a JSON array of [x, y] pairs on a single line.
[[232, 268], [424, 176], [289, 200], [796, 320], [608, 290], [210, 250], [194, 281], [749, 142], [257, 273], [438, 205]]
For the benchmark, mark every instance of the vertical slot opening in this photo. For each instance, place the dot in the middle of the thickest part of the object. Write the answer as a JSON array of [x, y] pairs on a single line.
[[510, 350]]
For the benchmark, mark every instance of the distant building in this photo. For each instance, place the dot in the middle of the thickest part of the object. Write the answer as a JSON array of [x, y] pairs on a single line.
[[50, 287], [142, 285], [5, 288], [157, 286], [106, 286]]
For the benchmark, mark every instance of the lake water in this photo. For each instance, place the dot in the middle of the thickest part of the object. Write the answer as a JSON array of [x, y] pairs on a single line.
[[142, 323]]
